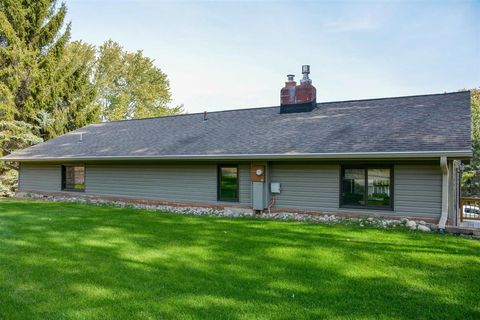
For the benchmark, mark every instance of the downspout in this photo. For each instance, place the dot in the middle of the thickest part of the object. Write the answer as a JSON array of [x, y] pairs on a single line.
[[444, 215]]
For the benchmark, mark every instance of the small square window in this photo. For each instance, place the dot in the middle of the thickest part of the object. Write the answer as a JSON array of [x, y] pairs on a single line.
[[73, 178]]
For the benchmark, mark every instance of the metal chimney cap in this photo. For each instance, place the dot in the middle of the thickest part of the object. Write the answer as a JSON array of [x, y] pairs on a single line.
[[290, 77], [306, 69]]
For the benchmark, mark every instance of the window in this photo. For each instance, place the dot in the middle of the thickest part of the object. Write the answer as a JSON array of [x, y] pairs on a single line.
[[367, 187], [228, 183], [73, 178]]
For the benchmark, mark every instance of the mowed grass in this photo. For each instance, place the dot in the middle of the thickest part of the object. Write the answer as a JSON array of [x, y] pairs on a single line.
[[70, 261]]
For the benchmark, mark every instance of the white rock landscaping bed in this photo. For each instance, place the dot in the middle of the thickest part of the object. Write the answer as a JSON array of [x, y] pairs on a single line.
[[233, 212]]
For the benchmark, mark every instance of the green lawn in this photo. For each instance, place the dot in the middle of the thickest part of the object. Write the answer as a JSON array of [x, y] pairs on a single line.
[[70, 261]]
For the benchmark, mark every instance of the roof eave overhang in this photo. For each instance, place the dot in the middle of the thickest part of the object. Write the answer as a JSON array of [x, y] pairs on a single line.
[[457, 154]]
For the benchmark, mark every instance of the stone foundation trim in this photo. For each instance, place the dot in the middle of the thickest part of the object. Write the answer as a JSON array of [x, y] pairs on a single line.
[[349, 214], [226, 211], [125, 200]]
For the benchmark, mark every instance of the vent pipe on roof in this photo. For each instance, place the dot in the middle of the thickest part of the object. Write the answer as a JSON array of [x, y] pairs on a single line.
[[80, 137], [287, 94], [306, 72]]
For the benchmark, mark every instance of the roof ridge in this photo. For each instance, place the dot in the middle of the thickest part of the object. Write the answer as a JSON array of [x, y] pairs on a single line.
[[189, 114], [271, 107], [397, 97]]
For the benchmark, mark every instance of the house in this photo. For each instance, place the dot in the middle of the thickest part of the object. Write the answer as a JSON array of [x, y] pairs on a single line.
[[389, 157]]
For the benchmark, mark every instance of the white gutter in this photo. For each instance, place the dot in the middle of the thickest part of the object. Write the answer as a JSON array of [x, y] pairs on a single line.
[[445, 187], [346, 155]]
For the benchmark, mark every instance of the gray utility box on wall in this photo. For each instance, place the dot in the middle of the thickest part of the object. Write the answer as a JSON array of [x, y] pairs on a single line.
[[258, 196], [275, 187]]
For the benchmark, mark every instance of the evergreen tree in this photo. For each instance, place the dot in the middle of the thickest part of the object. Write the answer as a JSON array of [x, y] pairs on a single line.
[[45, 87], [49, 86], [40, 71], [14, 135], [75, 103], [32, 43]]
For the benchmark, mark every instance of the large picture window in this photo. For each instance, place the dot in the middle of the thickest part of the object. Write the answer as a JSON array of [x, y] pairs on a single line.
[[228, 183], [367, 187], [73, 178]]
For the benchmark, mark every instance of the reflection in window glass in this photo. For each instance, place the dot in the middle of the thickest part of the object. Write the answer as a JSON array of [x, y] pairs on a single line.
[[73, 178], [228, 183], [379, 187], [353, 185], [367, 186]]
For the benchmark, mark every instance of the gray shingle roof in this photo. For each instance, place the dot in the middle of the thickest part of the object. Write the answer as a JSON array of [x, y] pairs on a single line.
[[428, 123]]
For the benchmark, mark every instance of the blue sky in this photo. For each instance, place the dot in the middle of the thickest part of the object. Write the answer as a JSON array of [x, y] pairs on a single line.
[[227, 55]]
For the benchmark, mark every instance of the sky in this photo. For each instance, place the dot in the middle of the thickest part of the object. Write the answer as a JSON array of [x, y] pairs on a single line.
[[221, 55]]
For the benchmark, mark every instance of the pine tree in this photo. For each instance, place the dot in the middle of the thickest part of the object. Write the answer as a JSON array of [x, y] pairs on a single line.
[[45, 87], [76, 95], [32, 42], [14, 135], [49, 85]]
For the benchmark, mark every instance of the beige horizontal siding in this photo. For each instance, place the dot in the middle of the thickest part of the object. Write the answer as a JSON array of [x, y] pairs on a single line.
[[168, 182], [306, 186], [310, 186], [165, 182], [40, 177], [418, 190]]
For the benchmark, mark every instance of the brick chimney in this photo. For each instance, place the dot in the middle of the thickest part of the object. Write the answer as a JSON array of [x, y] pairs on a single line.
[[301, 98]]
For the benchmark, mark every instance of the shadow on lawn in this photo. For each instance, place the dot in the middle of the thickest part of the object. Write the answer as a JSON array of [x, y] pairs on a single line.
[[72, 261]]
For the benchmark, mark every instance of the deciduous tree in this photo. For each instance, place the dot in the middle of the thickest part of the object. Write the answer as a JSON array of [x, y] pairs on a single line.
[[130, 85], [471, 175]]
